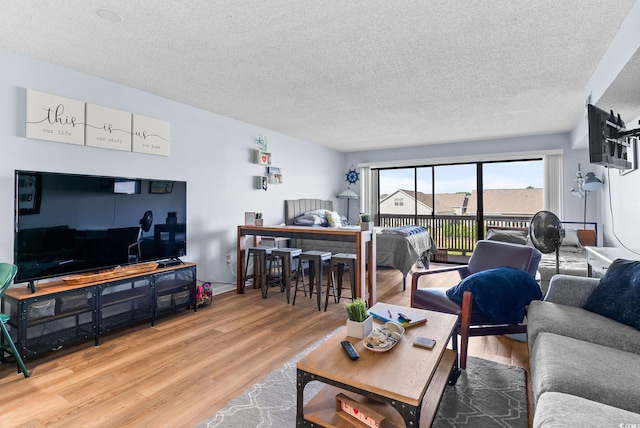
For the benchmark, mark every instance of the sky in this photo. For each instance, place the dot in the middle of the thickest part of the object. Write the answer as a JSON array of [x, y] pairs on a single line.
[[462, 178]]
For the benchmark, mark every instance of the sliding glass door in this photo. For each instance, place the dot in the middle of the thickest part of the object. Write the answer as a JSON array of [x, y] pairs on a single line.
[[458, 202], [397, 204], [512, 192], [454, 229]]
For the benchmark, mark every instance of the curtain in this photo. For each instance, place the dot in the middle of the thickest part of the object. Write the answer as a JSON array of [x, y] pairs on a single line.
[[368, 191], [553, 184]]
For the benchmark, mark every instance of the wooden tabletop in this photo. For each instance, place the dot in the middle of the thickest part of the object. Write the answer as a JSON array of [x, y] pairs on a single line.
[[22, 291], [402, 373]]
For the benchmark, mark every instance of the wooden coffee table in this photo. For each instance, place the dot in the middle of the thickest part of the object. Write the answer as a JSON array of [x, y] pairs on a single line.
[[408, 379]]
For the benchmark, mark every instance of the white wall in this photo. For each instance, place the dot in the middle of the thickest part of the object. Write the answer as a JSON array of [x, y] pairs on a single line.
[[212, 153], [620, 208], [618, 205]]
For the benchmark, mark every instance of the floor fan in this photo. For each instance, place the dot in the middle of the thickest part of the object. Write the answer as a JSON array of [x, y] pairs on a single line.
[[547, 234]]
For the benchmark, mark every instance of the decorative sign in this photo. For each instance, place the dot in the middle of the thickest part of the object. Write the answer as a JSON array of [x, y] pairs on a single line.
[[150, 135], [108, 128], [262, 142], [54, 118], [262, 158], [357, 413], [353, 176]]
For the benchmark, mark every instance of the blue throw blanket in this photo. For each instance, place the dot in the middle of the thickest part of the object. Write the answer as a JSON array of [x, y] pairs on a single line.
[[405, 230], [501, 294]]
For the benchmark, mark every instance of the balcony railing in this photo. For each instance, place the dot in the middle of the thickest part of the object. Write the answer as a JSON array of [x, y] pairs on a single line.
[[455, 233]]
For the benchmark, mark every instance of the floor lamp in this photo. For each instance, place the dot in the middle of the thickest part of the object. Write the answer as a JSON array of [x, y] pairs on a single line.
[[586, 184], [591, 182], [348, 194]]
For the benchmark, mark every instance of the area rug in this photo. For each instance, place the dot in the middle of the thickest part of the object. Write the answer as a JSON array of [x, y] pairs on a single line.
[[487, 394]]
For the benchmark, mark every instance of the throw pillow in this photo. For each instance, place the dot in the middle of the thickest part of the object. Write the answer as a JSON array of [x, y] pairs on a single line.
[[320, 211], [512, 236], [310, 220], [333, 218], [501, 294], [617, 294]]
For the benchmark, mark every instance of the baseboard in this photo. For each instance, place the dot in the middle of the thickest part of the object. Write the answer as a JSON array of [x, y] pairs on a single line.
[[221, 287]]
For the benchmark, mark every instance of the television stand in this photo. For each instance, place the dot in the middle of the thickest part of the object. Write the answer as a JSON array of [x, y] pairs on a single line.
[[32, 286], [61, 314]]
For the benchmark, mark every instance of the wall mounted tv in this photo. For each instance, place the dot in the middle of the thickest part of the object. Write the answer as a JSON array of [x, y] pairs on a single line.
[[608, 139], [70, 223]]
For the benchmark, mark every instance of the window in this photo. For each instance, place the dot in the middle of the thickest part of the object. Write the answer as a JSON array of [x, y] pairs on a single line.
[[511, 192], [458, 202]]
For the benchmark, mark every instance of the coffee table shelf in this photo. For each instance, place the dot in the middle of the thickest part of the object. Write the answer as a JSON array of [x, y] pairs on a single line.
[[321, 409]]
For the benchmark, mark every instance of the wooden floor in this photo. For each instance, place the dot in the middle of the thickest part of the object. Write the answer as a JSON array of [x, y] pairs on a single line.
[[189, 365]]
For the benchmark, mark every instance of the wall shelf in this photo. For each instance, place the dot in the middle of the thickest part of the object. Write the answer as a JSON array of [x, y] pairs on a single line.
[[262, 158]]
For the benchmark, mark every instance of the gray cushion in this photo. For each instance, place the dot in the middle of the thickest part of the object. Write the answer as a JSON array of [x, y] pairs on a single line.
[[561, 410], [580, 324], [593, 372], [492, 254], [570, 290]]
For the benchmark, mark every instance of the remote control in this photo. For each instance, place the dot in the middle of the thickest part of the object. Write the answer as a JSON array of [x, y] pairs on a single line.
[[350, 350]]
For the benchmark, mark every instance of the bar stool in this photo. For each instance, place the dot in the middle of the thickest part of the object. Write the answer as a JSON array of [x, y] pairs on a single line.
[[338, 262], [286, 256], [316, 260], [262, 254]]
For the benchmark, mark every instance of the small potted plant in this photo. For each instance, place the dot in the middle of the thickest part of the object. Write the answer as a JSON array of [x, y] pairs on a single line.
[[259, 221], [359, 322], [365, 222]]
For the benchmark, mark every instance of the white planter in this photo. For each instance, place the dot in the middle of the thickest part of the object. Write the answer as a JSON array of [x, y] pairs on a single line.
[[259, 222], [366, 225], [360, 330]]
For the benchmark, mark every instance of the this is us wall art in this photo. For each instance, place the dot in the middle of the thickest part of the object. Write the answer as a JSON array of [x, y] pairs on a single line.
[[65, 120]]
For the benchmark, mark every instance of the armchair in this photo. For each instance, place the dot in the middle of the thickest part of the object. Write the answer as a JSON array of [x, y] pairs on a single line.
[[472, 322]]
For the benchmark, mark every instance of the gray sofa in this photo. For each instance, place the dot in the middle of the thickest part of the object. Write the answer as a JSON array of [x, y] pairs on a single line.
[[585, 368]]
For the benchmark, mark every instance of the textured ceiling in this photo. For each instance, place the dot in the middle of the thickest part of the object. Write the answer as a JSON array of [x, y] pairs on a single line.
[[623, 96], [351, 75]]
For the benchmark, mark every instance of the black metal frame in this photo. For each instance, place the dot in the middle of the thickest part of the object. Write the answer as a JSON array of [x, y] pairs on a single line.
[[97, 301], [410, 414]]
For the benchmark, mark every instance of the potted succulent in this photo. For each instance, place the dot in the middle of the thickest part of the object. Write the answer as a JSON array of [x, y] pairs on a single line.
[[365, 222], [259, 221], [359, 322]]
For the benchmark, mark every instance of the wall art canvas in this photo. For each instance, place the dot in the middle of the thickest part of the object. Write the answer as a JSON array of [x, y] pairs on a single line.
[[150, 135], [54, 118], [108, 128]]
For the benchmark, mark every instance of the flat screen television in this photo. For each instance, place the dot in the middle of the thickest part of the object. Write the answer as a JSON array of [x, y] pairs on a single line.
[[607, 145], [71, 223]]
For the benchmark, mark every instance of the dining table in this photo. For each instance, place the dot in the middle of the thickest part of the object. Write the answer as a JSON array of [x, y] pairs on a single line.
[[365, 250]]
